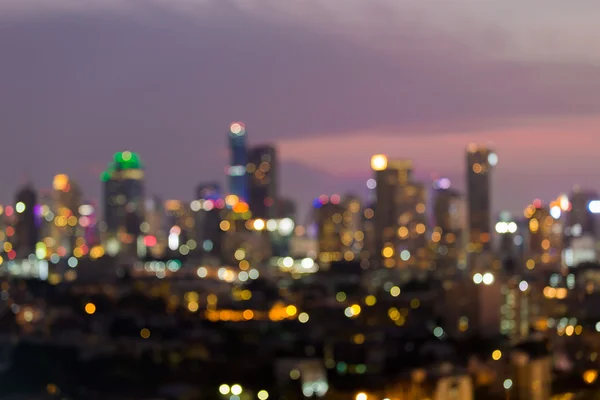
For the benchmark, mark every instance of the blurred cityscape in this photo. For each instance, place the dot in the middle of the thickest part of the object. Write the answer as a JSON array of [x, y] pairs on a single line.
[[409, 291]]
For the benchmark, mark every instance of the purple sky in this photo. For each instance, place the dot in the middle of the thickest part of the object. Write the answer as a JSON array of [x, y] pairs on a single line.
[[329, 81]]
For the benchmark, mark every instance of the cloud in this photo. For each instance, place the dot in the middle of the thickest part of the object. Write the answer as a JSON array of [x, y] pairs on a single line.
[[166, 77]]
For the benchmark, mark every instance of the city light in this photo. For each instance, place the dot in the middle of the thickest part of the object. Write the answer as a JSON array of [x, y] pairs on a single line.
[[594, 206], [379, 162]]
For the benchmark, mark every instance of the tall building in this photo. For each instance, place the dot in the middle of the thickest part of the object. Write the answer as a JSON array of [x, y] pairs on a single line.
[[400, 221], [262, 171], [449, 212], [480, 161], [67, 198], [339, 228], [238, 180], [544, 249], [26, 224], [123, 199]]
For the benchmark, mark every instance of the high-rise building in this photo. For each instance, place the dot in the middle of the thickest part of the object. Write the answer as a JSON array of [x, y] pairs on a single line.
[[238, 179], [400, 222], [67, 198], [123, 199], [449, 212], [262, 171], [339, 228], [26, 224], [480, 161], [544, 249]]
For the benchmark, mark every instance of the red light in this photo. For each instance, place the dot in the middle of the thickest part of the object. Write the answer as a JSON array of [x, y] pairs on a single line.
[[335, 199], [150, 241], [537, 203], [12, 254], [220, 203], [8, 211], [269, 202], [10, 231], [323, 199]]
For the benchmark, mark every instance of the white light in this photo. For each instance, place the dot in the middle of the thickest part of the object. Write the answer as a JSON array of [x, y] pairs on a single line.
[[523, 285], [493, 159], [202, 272], [243, 276], [371, 183], [507, 384], [501, 227], [236, 390], [594, 206], [303, 318], [307, 263], [288, 262], [555, 212], [286, 227], [512, 227], [253, 274], [72, 261], [237, 129], [564, 202], [405, 255], [224, 389], [86, 210], [438, 332], [271, 225], [173, 241], [195, 205], [361, 396], [263, 395], [477, 278], [259, 224], [20, 207], [488, 278], [597, 326]]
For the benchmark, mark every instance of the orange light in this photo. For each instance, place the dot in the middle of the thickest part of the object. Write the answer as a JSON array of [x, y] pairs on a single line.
[[379, 162], [241, 207]]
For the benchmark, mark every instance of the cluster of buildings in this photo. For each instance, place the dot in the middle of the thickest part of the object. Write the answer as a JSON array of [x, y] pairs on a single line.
[[369, 282]]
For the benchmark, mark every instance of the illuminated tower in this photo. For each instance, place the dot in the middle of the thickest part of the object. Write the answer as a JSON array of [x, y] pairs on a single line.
[[124, 198], [238, 180], [449, 212], [262, 171], [26, 228], [400, 223], [480, 161], [544, 248], [67, 199]]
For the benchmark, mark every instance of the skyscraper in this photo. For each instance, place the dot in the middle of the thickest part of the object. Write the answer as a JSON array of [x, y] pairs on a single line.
[[449, 212], [262, 171], [26, 229], [67, 199], [480, 161], [124, 197], [238, 180], [400, 223]]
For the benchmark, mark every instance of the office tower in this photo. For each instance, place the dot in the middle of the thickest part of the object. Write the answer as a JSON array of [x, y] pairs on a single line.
[[210, 223], [208, 191], [544, 247], [400, 222], [339, 228], [155, 227], [26, 224], [67, 198], [480, 161], [328, 216], [449, 213], [123, 200], [181, 226], [262, 172], [238, 180], [506, 228]]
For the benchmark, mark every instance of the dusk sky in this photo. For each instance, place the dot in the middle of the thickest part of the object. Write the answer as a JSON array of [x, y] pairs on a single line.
[[330, 82]]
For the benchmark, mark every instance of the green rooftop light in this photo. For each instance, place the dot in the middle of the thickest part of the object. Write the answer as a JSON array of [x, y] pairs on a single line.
[[127, 160]]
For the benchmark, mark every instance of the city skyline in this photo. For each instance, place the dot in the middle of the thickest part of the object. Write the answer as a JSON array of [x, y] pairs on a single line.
[[326, 118]]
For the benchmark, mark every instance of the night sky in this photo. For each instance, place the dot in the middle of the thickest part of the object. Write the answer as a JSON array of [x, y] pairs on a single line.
[[330, 82]]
